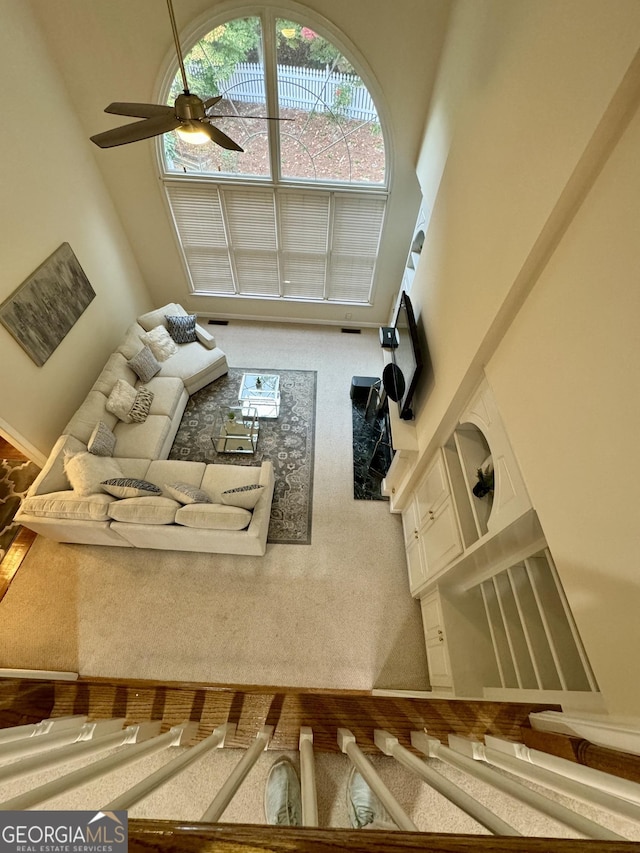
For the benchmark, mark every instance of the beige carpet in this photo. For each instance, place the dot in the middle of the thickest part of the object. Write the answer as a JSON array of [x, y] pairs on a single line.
[[334, 614]]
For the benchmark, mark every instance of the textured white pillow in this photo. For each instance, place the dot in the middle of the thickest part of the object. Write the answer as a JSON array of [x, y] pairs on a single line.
[[121, 400], [85, 471], [160, 343]]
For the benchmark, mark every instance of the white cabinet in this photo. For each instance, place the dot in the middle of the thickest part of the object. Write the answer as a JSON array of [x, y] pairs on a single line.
[[437, 654], [432, 536]]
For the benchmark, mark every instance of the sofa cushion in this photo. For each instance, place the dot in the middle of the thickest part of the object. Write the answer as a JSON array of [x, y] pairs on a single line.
[[67, 504], [244, 496], [131, 343], [162, 471], [160, 343], [92, 410], [85, 471], [155, 318], [102, 441], [182, 329], [186, 494], [144, 441], [168, 392], [144, 510], [218, 478], [145, 364], [121, 400], [129, 487], [191, 362], [115, 368], [213, 517]]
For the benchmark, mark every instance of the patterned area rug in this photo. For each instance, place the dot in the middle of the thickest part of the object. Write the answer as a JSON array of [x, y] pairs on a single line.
[[288, 441], [15, 478], [371, 452]]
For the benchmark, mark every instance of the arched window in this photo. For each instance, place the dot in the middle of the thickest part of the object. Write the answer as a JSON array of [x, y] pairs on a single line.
[[299, 213]]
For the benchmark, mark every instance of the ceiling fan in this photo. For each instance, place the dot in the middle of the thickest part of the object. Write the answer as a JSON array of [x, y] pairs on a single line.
[[188, 115]]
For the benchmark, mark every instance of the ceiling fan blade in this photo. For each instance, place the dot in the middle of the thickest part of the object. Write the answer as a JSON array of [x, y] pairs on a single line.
[[219, 137], [136, 130], [139, 110], [210, 102]]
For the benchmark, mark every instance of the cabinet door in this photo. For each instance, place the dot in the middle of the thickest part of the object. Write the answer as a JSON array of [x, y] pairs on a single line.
[[415, 565], [410, 523], [437, 655], [432, 490], [440, 537]]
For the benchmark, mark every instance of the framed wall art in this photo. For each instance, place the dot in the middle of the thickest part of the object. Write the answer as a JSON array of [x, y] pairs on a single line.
[[40, 313]]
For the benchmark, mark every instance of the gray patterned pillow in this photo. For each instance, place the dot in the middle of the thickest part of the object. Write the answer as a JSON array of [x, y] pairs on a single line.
[[145, 364], [187, 494], [182, 329], [244, 496], [141, 405], [102, 441], [129, 487]]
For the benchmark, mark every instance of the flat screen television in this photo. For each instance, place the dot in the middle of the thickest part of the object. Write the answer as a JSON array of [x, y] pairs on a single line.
[[406, 355]]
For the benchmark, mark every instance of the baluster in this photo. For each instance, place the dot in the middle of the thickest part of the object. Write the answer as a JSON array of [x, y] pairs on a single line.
[[90, 739], [24, 740], [348, 745], [308, 778], [389, 745], [465, 755], [237, 776], [144, 732], [155, 780], [515, 758]]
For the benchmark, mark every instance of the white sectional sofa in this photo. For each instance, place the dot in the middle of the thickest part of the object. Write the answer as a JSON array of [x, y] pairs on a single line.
[[90, 515]]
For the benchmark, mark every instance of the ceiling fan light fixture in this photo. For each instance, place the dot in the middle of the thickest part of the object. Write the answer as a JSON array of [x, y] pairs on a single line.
[[193, 134]]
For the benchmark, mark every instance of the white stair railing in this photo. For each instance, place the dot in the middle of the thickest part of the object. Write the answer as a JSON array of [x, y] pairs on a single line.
[[308, 778], [237, 776], [348, 745], [36, 737], [89, 739], [155, 780], [139, 741], [466, 755], [390, 745]]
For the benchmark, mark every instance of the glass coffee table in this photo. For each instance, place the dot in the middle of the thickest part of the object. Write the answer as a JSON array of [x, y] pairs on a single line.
[[261, 391], [236, 430]]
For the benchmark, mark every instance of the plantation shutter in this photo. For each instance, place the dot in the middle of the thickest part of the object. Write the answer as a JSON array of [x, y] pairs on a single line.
[[356, 233], [293, 243]]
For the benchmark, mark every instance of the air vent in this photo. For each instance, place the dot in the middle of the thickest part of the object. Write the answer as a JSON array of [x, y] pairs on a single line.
[[218, 323], [350, 331]]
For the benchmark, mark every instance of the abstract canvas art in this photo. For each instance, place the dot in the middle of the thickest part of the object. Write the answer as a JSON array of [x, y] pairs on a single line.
[[40, 313]]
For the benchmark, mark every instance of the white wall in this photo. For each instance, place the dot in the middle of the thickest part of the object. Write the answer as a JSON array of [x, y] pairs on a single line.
[[115, 50], [52, 192], [567, 380], [520, 91], [521, 113]]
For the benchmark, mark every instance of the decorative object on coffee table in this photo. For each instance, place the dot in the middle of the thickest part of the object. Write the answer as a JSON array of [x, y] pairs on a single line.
[[40, 313], [287, 441], [236, 430]]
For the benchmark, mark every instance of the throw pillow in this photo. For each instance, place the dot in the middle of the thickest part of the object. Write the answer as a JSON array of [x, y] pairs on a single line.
[[141, 405], [144, 364], [244, 496], [187, 494], [129, 487], [102, 441], [85, 471], [160, 343], [121, 400], [182, 329]]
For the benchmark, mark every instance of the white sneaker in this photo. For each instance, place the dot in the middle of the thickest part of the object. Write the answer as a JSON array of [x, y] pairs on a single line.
[[362, 804], [282, 796]]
